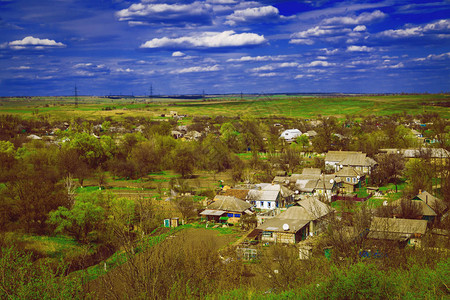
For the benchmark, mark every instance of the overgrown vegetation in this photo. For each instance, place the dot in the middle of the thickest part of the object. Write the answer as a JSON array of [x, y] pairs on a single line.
[[83, 199]]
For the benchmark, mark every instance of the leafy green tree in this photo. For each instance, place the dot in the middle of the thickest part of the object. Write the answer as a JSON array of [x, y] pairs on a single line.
[[184, 159], [303, 141], [419, 174], [80, 221], [230, 136], [146, 158], [217, 156], [88, 148]]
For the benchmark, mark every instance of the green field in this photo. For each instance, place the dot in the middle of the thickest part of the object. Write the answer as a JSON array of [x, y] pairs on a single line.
[[58, 108]]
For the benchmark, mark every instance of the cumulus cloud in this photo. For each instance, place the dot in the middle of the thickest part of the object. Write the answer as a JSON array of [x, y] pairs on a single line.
[[354, 48], [319, 63], [440, 28], [30, 42], [178, 54], [255, 14], [263, 68], [360, 28], [355, 20], [329, 52], [166, 14], [315, 31], [304, 37], [208, 40], [196, 69]]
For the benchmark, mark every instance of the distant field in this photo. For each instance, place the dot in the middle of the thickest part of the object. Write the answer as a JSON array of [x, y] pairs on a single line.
[[59, 108]]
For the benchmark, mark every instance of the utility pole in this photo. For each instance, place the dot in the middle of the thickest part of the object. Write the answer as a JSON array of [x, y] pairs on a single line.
[[76, 96], [203, 95]]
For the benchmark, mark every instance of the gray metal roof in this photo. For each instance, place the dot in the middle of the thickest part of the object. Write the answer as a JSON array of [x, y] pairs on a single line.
[[398, 226], [212, 212], [229, 203]]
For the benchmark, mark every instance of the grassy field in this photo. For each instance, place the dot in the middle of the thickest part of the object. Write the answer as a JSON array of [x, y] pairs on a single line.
[[58, 108]]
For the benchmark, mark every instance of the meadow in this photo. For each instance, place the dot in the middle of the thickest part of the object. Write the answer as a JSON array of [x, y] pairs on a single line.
[[288, 106]]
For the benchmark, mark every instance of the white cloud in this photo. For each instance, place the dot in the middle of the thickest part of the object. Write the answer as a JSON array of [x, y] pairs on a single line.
[[254, 58], [354, 48], [221, 1], [255, 14], [21, 68], [127, 70], [434, 57], [397, 66], [314, 31], [197, 69], [288, 64], [330, 52], [363, 62], [166, 14], [440, 28], [272, 74], [36, 43], [360, 28], [90, 69], [178, 54], [319, 63], [263, 68], [308, 42], [208, 40], [355, 20]]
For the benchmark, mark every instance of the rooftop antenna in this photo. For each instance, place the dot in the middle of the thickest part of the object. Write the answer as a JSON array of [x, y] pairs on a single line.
[[76, 96]]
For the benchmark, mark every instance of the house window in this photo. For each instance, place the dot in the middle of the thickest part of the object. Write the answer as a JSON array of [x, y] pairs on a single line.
[[229, 215], [354, 180], [237, 215], [268, 204], [348, 179], [262, 204], [267, 234]]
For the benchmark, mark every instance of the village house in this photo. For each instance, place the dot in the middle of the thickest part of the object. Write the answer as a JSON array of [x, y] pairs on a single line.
[[425, 205], [289, 135], [404, 231], [349, 180], [313, 182], [270, 196], [336, 160], [226, 209], [303, 219]]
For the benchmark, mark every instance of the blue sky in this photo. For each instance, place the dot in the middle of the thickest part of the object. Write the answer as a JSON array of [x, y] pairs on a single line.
[[223, 46]]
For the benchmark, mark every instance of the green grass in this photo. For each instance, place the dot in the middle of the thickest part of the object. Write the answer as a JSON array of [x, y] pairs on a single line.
[[52, 246], [278, 105]]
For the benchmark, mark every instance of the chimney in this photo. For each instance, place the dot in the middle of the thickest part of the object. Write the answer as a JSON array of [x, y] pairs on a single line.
[[420, 191]]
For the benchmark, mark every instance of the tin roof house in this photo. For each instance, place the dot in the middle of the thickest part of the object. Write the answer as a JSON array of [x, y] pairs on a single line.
[[290, 135], [226, 209]]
